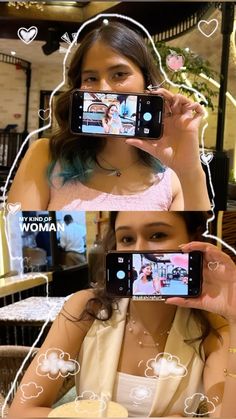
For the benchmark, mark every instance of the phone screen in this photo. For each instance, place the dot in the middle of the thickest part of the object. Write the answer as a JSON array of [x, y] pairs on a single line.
[[163, 274], [108, 113]]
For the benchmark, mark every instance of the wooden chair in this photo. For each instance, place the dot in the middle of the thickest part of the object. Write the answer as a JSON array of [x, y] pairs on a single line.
[[5, 412], [36, 259], [97, 107]]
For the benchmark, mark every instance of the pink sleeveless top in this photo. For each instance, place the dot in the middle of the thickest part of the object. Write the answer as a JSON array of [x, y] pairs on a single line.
[[76, 196]]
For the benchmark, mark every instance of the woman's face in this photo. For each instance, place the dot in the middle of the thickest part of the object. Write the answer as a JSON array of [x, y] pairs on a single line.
[[151, 230], [105, 69], [147, 270], [113, 111]]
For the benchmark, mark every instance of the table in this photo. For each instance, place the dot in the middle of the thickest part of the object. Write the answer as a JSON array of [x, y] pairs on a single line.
[[33, 311], [21, 322]]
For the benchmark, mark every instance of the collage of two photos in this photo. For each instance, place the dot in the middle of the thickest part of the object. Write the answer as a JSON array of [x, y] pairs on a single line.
[[92, 302], [114, 107], [117, 209]]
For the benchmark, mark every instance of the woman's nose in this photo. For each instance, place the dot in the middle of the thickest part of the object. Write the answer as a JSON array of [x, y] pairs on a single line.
[[141, 244], [104, 84]]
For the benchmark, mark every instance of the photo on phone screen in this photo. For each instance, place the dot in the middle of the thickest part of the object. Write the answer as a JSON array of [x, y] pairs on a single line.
[[108, 113], [163, 274]]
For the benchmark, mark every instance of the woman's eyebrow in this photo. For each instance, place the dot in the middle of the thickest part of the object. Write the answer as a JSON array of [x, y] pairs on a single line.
[[155, 224], [111, 68], [158, 224], [118, 66], [89, 71], [123, 228]]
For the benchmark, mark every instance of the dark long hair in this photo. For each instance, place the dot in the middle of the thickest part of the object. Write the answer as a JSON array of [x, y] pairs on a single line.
[[107, 117], [149, 277], [195, 224], [77, 157]]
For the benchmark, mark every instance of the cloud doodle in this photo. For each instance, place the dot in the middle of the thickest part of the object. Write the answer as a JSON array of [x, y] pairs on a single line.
[[31, 390], [55, 363], [87, 395], [204, 404], [89, 403], [164, 366], [140, 393]]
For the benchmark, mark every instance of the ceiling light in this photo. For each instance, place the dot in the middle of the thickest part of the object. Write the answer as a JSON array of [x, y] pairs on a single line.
[[27, 4]]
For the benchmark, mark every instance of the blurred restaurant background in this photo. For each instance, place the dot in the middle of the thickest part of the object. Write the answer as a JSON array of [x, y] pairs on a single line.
[[201, 34], [36, 278], [38, 264]]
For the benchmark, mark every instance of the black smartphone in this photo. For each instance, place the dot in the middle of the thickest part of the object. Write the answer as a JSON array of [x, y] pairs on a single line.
[[116, 114], [152, 275]]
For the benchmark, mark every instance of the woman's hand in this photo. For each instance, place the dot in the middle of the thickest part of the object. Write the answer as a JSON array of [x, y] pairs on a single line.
[[106, 125], [156, 284], [219, 283], [179, 146]]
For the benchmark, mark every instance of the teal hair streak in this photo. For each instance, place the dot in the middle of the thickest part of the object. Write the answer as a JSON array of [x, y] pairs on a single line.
[[77, 170], [82, 170]]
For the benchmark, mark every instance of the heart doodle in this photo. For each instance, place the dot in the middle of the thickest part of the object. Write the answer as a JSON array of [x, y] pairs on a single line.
[[206, 158], [207, 28], [44, 114], [14, 208], [27, 35], [213, 265]]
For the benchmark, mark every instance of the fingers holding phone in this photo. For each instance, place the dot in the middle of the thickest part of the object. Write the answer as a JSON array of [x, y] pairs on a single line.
[[219, 282], [178, 148], [177, 105]]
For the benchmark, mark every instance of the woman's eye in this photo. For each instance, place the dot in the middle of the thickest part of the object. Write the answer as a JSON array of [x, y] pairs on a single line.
[[89, 80], [120, 75], [125, 240], [158, 235]]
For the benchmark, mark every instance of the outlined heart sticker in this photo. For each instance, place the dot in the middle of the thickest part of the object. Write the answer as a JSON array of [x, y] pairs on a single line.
[[206, 158], [208, 27], [213, 265], [44, 114], [27, 35], [14, 208]]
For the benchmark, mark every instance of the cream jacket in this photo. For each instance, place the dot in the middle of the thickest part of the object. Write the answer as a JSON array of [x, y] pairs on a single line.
[[100, 354]]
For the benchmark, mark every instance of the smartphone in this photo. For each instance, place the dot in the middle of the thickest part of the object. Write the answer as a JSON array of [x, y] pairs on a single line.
[[154, 275], [116, 114]]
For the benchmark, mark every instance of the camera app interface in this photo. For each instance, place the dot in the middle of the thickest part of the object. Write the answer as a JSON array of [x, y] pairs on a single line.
[[151, 274], [109, 113], [160, 274]]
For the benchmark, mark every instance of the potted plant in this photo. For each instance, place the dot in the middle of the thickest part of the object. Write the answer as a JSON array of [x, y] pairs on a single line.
[[232, 186]]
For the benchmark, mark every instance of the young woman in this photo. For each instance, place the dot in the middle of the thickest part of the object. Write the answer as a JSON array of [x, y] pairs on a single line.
[[153, 357], [111, 121], [145, 283], [90, 173]]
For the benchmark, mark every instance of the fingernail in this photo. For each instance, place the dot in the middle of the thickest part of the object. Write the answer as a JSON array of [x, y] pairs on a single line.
[[168, 301], [182, 245]]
